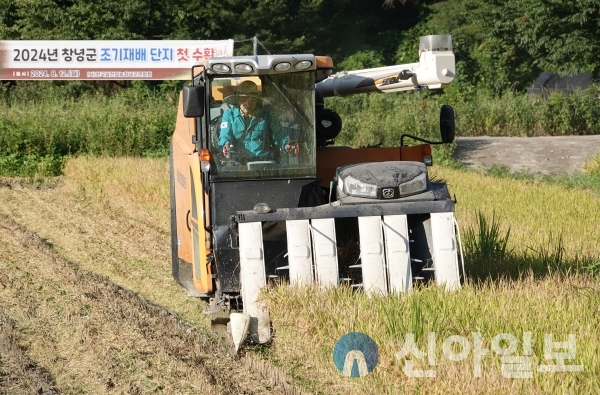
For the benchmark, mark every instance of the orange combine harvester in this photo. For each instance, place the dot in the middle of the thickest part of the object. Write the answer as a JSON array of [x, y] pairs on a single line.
[[282, 201]]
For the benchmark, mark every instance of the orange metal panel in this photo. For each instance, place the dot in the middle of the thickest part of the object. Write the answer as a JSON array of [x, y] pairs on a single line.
[[414, 153], [185, 128], [181, 173], [324, 62], [201, 271], [192, 237]]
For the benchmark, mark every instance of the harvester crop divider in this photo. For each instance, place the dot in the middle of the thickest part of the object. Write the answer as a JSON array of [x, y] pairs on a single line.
[[252, 266], [325, 252], [239, 324]]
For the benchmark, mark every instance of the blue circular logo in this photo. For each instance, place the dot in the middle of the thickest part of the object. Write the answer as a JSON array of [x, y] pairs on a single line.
[[355, 354]]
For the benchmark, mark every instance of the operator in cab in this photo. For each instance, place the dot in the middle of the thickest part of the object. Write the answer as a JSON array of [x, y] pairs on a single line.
[[246, 130]]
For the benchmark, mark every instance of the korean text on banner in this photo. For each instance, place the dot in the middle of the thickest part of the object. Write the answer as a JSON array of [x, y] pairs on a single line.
[[106, 60]]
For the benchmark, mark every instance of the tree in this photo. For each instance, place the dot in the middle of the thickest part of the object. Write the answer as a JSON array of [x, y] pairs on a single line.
[[558, 36], [502, 45], [86, 19], [338, 28]]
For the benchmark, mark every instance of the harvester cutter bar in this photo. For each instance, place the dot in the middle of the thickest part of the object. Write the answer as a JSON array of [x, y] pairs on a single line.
[[347, 211], [385, 260]]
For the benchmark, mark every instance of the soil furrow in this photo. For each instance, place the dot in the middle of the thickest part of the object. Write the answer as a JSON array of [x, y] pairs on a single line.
[[19, 375], [85, 329]]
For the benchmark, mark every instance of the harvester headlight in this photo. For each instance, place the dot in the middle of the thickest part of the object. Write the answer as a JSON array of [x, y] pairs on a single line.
[[283, 66], [389, 180], [221, 68], [416, 185], [243, 68], [303, 65], [261, 208], [354, 187]]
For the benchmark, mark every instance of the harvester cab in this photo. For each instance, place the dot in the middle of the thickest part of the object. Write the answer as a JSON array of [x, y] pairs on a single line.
[[259, 191]]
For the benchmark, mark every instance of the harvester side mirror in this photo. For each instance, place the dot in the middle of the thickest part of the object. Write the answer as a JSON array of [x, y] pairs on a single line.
[[193, 101], [447, 125], [328, 126]]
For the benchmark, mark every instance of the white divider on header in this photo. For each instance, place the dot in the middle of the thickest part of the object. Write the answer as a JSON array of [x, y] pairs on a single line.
[[106, 60]]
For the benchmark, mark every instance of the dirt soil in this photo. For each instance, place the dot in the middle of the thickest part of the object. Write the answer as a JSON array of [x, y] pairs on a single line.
[[166, 349], [545, 155], [86, 305]]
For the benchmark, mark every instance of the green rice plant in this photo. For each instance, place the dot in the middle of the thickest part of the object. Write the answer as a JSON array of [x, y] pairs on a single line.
[[487, 244], [593, 268], [550, 255], [416, 316]]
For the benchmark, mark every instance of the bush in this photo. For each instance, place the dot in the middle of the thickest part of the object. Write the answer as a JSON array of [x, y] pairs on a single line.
[[55, 121], [374, 119], [135, 122]]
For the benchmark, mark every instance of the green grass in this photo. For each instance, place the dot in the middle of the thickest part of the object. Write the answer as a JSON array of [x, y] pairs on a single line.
[[486, 243], [487, 254], [36, 136], [385, 117], [35, 166], [593, 268], [586, 180]]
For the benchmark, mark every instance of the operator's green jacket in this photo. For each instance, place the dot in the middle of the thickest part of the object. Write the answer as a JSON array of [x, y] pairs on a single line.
[[257, 137]]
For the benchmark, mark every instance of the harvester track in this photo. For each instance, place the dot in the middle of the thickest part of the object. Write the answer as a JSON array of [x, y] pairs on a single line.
[[18, 373], [47, 296]]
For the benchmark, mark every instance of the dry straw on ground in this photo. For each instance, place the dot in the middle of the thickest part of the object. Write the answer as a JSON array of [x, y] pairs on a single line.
[[85, 284]]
